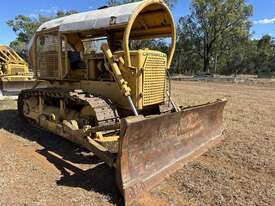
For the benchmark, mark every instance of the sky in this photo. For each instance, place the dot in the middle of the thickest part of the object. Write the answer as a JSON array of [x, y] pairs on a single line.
[[263, 18]]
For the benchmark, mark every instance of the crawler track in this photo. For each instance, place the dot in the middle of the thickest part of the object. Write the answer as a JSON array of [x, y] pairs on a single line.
[[104, 111]]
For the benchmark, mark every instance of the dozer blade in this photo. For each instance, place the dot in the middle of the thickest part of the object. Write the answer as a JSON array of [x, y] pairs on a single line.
[[151, 149], [13, 87]]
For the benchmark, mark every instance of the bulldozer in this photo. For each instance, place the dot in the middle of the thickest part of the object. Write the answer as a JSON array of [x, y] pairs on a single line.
[[14, 72], [116, 101]]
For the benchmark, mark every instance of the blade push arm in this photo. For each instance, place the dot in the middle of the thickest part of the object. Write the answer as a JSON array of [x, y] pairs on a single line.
[[123, 84]]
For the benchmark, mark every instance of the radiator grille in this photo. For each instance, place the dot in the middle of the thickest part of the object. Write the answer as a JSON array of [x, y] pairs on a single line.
[[48, 65], [154, 80], [47, 56]]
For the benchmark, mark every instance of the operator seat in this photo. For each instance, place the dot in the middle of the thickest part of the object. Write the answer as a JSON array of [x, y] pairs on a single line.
[[76, 61]]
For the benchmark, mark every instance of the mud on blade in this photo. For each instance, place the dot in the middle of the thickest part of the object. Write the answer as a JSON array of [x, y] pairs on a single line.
[[153, 148]]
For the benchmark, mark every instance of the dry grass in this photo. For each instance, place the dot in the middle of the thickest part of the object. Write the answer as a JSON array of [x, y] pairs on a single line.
[[7, 104], [36, 168]]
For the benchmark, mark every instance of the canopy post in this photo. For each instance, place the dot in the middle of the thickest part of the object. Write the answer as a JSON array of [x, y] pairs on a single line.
[[128, 29]]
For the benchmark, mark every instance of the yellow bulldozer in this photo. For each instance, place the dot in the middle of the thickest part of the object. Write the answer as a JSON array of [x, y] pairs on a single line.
[[14, 72], [116, 101]]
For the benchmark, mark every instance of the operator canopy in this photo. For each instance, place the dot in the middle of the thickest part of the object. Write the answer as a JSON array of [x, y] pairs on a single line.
[[140, 20], [150, 15]]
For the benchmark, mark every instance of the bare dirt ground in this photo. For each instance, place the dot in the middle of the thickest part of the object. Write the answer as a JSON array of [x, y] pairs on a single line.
[[38, 168]]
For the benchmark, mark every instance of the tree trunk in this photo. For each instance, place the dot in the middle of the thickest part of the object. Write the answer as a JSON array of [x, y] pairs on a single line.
[[206, 65], [206, 58], [215, 63]]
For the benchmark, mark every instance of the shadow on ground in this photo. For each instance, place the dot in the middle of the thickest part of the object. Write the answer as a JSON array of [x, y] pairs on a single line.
[[100, 178]]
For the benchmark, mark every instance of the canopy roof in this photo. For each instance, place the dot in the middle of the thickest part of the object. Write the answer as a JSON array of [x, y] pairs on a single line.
[[102, 18], [149, 18]]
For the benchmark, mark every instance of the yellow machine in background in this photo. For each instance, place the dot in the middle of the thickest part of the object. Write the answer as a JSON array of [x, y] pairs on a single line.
[[115, 101], [14, 72]]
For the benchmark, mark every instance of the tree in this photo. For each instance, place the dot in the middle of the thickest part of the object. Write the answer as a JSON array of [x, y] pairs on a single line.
[[215, 26], [265, 55], [187, 55], [25, 27], [238, 59]]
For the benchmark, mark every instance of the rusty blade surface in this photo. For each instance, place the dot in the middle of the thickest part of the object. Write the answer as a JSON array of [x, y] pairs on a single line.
[[151, 149]]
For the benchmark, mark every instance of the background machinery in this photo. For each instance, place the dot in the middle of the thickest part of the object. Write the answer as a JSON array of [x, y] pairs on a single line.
[[14, 72], [115, 101]]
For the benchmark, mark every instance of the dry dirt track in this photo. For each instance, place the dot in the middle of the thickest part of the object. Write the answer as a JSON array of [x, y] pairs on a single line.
[[36, 168]]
